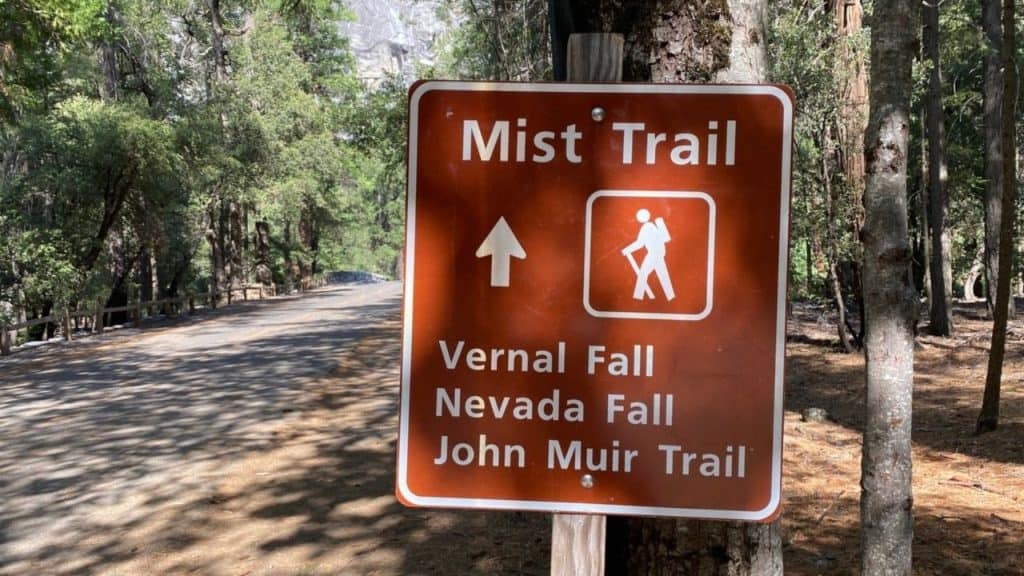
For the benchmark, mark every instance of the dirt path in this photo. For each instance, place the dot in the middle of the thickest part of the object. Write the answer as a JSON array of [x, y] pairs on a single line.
[[968, 490]]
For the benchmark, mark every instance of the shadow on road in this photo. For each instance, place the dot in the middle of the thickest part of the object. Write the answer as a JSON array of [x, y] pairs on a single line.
[[263, 445]]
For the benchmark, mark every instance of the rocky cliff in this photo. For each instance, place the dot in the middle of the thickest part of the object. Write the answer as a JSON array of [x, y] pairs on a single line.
[[396, 36]]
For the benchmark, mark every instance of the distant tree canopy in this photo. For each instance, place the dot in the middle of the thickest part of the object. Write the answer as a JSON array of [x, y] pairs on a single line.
[[153, 147], [217, 142]]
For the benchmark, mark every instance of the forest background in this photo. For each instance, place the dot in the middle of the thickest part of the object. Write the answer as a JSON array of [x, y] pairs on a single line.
[[153, 148]]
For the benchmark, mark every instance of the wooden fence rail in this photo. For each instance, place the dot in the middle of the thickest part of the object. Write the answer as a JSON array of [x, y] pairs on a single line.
[[99, 318]]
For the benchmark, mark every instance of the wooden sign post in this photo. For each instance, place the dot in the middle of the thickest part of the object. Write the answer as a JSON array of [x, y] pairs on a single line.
[[578, 540]]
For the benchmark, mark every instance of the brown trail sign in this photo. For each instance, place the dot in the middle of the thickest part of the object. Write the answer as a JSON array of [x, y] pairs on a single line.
[[595, 298]]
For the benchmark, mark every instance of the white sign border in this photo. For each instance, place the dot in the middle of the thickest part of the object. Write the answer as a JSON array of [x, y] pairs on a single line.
[[402, 485]]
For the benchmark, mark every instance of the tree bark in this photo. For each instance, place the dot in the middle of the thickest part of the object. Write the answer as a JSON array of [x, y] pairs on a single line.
[[923, 229], [940, 269], [235, 235], [262, 244], [848, 15], [672, 41], [665, 40], [890, 300], [993, 105], [988, 419], [748, 55], [970, 280], [146, 276], [694, 547], [833, 248], [123, 263], [115, 194], [108, 58], [215, 237]]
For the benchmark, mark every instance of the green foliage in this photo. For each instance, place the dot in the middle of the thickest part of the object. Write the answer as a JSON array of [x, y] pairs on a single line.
[[48, 275], [805, 54], [498, 40], [35, 37], [285, 134], [373, 214], [89, 159]]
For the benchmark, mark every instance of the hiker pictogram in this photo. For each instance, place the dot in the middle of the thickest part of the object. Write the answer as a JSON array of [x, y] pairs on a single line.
[[649, 255], [653, 237]]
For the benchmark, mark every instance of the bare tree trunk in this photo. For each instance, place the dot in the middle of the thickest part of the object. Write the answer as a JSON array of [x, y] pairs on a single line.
[[668, 548], [889, 298], [924, 230], [123, 260], [292, 269], [214, 236], [235, 243], [970, 279], [988, 419], [667, 41], [146, 279], [854, 105], [940, 270], [833, 249], [262, 245], [994, 157]]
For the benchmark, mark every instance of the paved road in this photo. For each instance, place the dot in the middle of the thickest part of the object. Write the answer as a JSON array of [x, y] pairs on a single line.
[[92, 436]]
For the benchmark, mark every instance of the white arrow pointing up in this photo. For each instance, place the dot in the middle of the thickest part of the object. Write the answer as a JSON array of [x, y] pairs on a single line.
[[501, 245]]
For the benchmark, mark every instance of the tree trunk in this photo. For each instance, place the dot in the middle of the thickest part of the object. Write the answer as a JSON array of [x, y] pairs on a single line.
[[262, 261], [993, 105], [235, 235], [833, 247], [215, 238], [146, 279], [310, 239], [853, 115], [923, 228], [988, 419], [123, 261], [108, 58], [889, 299], [694, 547], [848, 15], [940, 270], [292, 271], [970, 280], [115, 193], [171, 287], [666, 41]]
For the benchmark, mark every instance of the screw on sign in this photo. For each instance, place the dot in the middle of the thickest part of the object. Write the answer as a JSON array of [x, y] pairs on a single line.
[[594, 308]]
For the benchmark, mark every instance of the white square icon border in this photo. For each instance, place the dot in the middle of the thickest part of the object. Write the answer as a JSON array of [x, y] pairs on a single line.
[[651, 315]]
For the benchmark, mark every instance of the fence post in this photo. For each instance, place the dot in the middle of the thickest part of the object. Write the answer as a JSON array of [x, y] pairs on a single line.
[[5, 340], [191, 304], [260, 294], [245, 293], [138, 314]]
